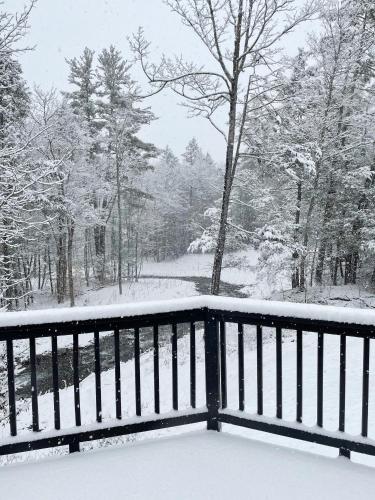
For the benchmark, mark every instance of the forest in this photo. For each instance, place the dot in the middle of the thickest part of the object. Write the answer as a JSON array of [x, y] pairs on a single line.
[[85, 201]]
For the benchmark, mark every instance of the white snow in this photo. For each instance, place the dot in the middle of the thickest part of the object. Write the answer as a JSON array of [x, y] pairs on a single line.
[[275, 308], [65, 314], [200, 466], [142, 290], [239, 268]]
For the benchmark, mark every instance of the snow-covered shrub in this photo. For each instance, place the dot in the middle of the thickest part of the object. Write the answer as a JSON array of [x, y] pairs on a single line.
[[235, 239]]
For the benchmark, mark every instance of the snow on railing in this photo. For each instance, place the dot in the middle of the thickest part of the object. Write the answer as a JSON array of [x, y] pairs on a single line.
[[247, 306]]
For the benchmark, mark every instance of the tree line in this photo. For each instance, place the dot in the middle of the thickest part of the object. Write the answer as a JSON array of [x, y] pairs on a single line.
[[84, 200], [299, 166]]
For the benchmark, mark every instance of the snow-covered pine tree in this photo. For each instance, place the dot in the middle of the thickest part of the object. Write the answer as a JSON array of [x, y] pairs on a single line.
[[127, 155]]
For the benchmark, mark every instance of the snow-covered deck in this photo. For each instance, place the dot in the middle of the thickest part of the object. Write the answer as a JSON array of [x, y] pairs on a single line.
[[198, 465]]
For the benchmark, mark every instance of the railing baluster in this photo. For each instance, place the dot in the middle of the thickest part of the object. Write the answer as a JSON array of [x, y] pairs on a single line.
[[319, 406], [343, 451], [116, 334], [77, 400], [241, 370], [299, 376], [223, 363], [365, 385], [98, 385], [138, 404], [342, 382], [279, 374], [34, 388], [192, 366], [156, 370], [174, 367], [55, 383], [11, 389], [259, 370]]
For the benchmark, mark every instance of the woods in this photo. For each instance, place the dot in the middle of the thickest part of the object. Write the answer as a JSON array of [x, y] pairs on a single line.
[[85, 200]]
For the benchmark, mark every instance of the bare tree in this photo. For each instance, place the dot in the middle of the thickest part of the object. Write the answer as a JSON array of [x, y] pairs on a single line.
[[13, 28], [243, 38]]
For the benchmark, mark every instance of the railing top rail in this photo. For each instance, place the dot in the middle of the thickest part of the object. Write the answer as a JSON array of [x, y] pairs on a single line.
[[87, 313], [270, 309]]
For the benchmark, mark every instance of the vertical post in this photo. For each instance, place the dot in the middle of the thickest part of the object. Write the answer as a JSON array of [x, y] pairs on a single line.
[[299, 376], [117, 373], [174, 368], [192, 366], [241, 369], [55, 381], [156, 370], [223, 364], [137, 369], [98, 384], [365, 385], [34, 388], [259, 370], [279, 374], [77, 399], [344, 452], [319, 411], [11, 389], [211, 345]]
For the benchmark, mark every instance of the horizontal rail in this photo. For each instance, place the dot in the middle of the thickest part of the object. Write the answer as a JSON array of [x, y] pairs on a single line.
[[311, 436], [247, 311], [294, 323], [103, 432], [108, 324]]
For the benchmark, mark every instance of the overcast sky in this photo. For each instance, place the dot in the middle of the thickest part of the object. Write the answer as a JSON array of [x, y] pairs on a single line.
[[63, 28]]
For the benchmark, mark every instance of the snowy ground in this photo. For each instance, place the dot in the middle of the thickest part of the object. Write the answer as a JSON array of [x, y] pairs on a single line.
[[199, 466], [175, 278], [143, 290], [341, 295], [239, 268]]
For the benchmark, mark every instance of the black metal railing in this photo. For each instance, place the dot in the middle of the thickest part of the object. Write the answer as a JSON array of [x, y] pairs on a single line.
[[215, 319]]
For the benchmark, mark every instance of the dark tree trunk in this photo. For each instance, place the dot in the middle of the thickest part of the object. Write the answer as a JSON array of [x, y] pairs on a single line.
[[61, 265], [70, 262], [119, 254], [50, 269], [296, 276], [324, 238], [228, 180], [86, 257]]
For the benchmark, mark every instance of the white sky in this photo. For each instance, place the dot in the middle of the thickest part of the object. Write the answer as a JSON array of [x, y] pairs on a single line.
[[62, 28]]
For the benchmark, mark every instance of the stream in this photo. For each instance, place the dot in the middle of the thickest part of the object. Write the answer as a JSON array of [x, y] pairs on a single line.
[[86, 352]]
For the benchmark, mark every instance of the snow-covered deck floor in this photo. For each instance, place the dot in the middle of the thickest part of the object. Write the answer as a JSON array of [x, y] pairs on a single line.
[[199, 465]]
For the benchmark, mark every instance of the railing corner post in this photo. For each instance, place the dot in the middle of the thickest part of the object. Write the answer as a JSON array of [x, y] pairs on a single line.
[[212, 358]]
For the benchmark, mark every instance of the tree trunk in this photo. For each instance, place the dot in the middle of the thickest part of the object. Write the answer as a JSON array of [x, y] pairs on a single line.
[[61, 265], [50, 269], [296, 277], [70, 262], [324, 239], [86, 258], [119, 256], [228, 180]]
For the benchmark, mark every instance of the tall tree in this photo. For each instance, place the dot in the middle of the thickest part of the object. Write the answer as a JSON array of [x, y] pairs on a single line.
[[242, 39]]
